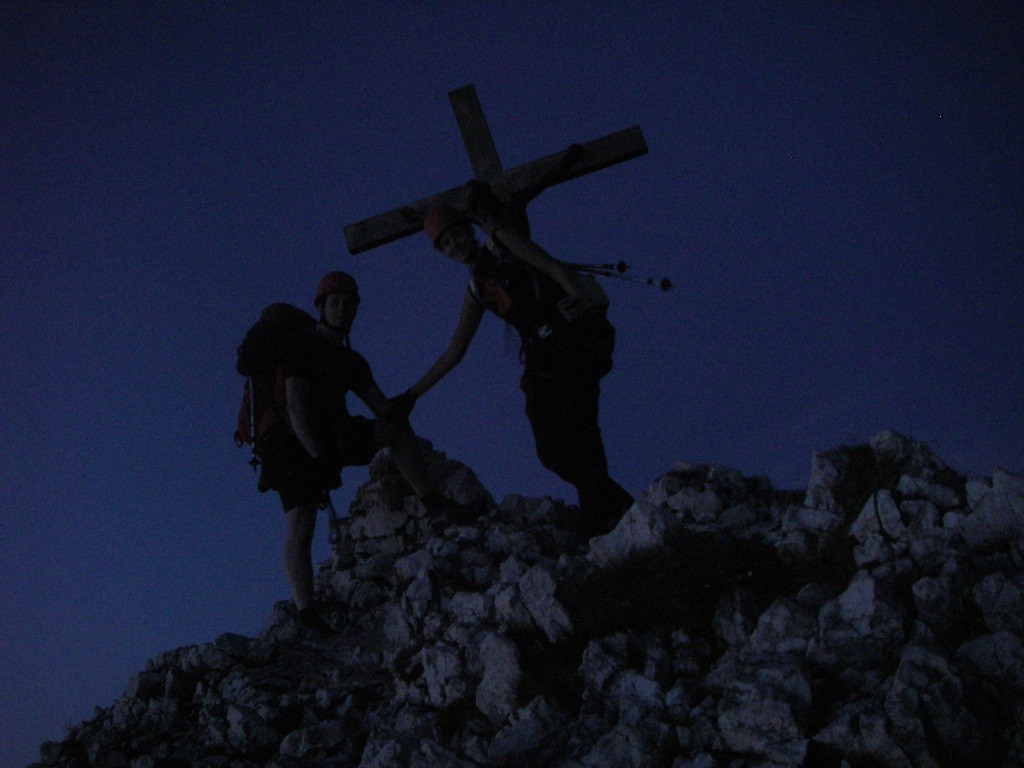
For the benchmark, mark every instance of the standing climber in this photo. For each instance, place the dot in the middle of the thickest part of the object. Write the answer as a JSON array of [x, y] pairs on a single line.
[[319, 368], [566, 348]]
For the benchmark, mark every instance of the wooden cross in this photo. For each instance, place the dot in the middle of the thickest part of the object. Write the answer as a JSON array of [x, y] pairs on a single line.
[[514, 187]]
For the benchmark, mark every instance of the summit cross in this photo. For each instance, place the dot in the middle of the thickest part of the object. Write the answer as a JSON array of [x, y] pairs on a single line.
[[514, 187]]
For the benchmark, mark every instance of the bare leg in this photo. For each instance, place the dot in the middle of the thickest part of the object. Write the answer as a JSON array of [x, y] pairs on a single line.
[[298, 554]]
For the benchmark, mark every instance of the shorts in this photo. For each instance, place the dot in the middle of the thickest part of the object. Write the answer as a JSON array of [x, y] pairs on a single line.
[[288, 468]]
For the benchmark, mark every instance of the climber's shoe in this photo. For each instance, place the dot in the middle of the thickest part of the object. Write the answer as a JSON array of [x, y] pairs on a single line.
[[463, 514], [312, 623]]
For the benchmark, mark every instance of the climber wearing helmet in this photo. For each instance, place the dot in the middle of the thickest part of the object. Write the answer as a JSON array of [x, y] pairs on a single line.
[[566, 346], [319, 368]]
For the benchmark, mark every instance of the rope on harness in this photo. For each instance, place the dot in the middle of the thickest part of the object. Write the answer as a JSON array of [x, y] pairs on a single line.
[[254, 460]]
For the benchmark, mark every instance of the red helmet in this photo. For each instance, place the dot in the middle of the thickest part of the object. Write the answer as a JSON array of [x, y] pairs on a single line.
[[439, 218], [335, 282]]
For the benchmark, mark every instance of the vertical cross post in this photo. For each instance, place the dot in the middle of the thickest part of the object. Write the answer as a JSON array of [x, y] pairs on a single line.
[[515, 187], [476, 136]]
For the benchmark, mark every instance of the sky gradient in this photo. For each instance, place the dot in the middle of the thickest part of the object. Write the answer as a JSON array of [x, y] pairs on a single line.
[[835, 188]]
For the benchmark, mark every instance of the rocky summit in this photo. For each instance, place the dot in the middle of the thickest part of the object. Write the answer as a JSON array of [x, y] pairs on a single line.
[[874, 619]]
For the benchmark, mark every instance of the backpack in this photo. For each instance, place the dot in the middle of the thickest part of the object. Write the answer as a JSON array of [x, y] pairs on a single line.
[[264, 409]]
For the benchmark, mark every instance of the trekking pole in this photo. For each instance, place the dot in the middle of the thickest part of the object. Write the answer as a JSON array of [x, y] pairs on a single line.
[[618, 266], [664, 284]]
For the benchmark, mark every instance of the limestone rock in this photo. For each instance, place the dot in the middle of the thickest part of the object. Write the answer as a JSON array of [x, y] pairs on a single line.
[[537, 589], [875, 621], [999, 519], [1001, 601], [998, 656], [529, 735], [497, 694], [642, 529], [444, 675], [860, 630], [753, 720]]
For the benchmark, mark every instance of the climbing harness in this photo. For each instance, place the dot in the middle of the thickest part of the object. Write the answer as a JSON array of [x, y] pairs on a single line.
[[254, 460]]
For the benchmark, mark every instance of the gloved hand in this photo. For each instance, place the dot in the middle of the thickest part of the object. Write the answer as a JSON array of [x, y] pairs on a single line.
[[327, 471], [401, 405]]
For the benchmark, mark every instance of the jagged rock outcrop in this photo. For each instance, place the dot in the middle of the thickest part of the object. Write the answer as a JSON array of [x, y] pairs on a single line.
[[876, 618]]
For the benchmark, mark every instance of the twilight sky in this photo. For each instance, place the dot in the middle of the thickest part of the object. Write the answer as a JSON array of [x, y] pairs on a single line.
[[835, 188]]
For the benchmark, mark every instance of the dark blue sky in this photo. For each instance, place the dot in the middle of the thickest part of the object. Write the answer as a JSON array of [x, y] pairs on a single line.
[[836, 189]]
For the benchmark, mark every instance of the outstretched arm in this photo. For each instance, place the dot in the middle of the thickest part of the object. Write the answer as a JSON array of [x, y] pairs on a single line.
[[469, 320]]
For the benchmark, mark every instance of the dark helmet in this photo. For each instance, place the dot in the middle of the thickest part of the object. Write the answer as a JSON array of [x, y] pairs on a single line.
[[439, 218], [335, 282]]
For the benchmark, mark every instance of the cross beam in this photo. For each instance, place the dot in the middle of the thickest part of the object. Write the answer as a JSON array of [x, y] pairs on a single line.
[[515, 187]]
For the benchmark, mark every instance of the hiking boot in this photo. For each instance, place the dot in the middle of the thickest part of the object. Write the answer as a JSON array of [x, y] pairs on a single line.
[[585, 529], [612, 520], [440, 508], [463, 514], [312, 623], [433, 502], [600, 519]]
